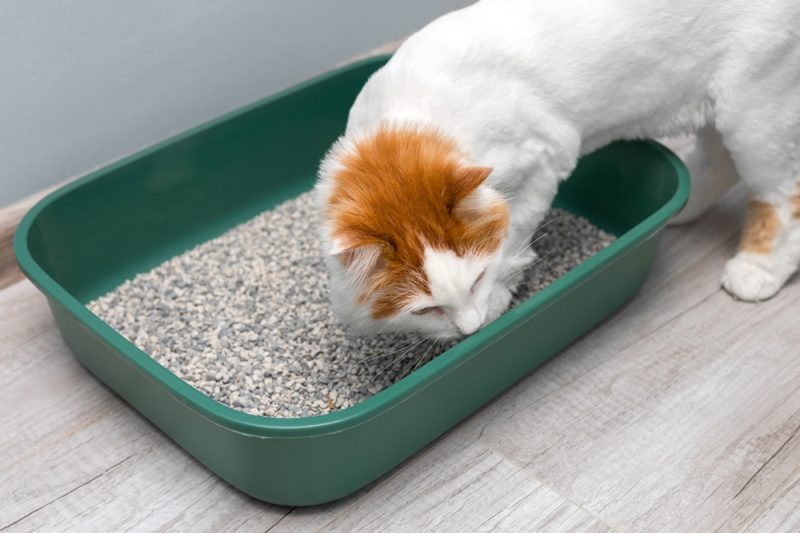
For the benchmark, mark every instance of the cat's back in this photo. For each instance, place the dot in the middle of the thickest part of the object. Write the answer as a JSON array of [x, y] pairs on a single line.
[[571, 39], [498, 56]]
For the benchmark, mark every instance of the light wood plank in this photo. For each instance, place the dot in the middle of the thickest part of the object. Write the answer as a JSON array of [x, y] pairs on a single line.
[[157, 489], [770, 494], [782, 514], [467, 489], [23, 316]]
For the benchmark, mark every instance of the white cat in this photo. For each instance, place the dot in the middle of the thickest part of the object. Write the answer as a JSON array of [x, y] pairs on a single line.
[[455, 148]]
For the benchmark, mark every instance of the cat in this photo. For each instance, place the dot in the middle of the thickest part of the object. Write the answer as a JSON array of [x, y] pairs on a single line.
[[454, 149]]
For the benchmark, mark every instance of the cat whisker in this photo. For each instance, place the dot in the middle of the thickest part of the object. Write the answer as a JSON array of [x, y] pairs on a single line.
[[405, 346], [523, 248], [391, 363], [538, 259], [548, 222], [427, 356], [412, 366], [511, 273], [538, 229], [514, 272], [541, 226], [539, 238], [423, 358]]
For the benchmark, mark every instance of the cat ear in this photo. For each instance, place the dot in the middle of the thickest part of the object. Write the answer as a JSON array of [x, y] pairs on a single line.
[[360, 260], [470, 177], [466, 180]]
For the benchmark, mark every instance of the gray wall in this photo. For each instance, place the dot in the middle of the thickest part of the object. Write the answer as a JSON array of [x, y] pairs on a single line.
[[87, 81]]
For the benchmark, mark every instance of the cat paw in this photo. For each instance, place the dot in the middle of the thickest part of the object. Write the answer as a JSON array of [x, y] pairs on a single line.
[[748, 277]]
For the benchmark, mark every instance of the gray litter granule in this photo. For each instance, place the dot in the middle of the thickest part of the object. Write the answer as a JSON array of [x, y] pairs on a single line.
[[245, 318]]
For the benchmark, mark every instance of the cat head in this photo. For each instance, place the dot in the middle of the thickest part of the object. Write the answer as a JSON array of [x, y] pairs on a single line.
[[412, 234]]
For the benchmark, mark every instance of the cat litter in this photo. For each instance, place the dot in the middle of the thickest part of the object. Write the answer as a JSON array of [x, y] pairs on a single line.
[[245, 317]]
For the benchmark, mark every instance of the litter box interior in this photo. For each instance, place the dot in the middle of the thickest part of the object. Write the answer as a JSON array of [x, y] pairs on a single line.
[[246, 319]]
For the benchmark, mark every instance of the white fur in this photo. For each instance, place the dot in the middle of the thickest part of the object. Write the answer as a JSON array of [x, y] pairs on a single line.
[[710, 166], [528, 86], [467, 302], [451, 280]]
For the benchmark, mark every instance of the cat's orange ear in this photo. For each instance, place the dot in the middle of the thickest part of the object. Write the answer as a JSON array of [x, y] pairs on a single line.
[[361, 259], [466, 180]]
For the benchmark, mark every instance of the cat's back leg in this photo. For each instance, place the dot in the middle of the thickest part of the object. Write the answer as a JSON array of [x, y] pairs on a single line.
[[762, 131], [710, 166]]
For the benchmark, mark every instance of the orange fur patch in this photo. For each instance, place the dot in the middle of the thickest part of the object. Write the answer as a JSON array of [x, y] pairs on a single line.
[[796, 206], [400, 189], [761, 226]]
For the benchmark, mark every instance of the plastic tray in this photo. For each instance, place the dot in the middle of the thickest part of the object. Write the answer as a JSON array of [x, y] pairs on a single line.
[[91, 235]]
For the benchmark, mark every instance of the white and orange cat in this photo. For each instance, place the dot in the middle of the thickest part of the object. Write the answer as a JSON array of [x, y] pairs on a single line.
[[455, 148]]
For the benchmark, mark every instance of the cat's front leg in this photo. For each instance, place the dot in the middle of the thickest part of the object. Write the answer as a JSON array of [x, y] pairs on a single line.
[[769, 252]]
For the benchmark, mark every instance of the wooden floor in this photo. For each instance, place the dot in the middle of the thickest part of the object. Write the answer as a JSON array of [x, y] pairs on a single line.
[[679, 413]]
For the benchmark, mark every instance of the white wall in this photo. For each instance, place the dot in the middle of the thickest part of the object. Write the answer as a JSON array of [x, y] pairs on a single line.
[[84, 82]]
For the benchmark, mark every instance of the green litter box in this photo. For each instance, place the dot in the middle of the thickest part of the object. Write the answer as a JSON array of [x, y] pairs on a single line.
[[91, 235]]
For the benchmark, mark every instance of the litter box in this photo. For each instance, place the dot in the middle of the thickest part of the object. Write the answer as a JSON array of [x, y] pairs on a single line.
[[88, 237]]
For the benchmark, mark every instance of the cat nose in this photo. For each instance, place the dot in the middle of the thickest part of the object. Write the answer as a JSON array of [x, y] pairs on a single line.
[[468, 322]]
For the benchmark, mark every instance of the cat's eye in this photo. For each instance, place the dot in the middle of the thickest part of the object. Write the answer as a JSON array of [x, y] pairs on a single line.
[[430, 310], [480, 277]]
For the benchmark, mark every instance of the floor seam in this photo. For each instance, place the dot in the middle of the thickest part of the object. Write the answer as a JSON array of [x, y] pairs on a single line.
[[79, 486], [566, 498]]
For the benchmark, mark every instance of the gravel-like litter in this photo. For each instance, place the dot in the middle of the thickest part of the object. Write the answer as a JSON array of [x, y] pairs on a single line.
[[245, 318]]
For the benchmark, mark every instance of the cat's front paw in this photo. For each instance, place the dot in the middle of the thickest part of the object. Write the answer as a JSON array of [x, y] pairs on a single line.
[[750, 277]]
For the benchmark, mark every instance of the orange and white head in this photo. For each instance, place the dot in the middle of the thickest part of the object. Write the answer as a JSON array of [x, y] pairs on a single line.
[[412, 235]]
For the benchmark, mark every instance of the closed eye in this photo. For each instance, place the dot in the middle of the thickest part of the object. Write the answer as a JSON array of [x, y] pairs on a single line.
[[430, 310], [475, 283]]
